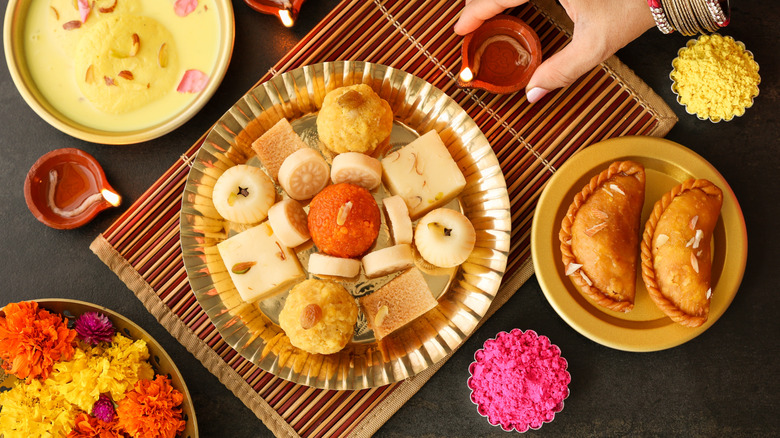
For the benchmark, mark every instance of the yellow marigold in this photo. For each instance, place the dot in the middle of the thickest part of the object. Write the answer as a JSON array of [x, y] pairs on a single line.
[[32, 410], [102, 370], [32, 340], [715, 77], [152, 408]]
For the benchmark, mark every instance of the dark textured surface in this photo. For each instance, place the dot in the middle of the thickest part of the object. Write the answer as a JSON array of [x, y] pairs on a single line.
[[720, 383]]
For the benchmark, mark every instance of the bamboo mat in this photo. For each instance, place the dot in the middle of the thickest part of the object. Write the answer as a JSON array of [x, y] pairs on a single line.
[[531, 141]]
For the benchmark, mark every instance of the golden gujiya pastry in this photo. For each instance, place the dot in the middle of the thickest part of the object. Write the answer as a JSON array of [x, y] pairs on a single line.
[[354, 119], [677, 251], [600, 235]]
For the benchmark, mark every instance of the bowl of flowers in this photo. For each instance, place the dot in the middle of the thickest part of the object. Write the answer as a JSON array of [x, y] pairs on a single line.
[[73, 369]]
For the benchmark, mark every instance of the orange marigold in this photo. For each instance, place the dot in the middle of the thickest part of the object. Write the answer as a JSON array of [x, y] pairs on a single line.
[[152, 408], [32, 340], [90, 427]]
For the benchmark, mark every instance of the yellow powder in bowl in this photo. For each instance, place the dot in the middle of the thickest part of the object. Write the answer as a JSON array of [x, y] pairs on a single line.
[[715, 77]]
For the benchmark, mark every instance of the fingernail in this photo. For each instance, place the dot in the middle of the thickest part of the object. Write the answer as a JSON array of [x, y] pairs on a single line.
[[535, 94], [458, 28]]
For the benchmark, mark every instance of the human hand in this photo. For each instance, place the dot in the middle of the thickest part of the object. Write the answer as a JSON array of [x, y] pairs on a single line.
[[601, 28]]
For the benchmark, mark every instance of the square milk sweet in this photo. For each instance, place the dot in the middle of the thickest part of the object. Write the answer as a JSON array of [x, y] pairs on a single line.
[[423, 173], [259, 265]]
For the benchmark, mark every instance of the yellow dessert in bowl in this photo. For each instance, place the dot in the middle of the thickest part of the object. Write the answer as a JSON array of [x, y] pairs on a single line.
[[117, 72]]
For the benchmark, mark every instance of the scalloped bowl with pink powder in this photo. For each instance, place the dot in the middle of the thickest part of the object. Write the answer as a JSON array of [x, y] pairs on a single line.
[[519, 380]]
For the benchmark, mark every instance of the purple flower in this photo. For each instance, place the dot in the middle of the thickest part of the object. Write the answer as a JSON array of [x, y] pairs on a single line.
[[103, 409], [94, 328]]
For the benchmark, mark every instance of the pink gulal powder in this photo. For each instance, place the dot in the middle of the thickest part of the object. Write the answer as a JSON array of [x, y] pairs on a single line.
[[519, 380]]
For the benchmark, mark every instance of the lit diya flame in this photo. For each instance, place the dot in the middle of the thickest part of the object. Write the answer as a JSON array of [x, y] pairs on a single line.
[[286, 17], [111, 197], [466, 75], [285, 10]]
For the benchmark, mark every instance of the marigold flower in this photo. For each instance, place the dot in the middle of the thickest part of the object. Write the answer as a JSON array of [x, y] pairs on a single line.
[[152, 408], [105, 369], [32, 340], [32, 410], [91, 427]]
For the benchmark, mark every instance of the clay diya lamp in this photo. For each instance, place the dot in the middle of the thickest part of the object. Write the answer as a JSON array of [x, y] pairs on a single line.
[[500, 56], [66, 188]]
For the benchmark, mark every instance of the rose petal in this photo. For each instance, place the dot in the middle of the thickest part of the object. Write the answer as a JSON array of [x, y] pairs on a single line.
[[185, 7], [193, 81], [84, 9]]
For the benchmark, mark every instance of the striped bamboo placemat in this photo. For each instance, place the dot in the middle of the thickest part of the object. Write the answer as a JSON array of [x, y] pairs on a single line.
[[531, 141]]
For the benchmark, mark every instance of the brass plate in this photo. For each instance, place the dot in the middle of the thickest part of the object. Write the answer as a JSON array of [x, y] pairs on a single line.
[[13, 44], [158, 358], [645, 328], [464, 294]]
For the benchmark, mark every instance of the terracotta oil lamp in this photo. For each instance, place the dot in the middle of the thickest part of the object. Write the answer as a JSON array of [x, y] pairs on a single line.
[[66, 188], [500, 56]]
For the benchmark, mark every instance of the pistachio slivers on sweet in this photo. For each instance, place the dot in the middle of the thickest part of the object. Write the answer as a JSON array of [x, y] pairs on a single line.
[[242, 268]]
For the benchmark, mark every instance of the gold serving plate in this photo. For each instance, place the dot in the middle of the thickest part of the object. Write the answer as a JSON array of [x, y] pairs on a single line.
[[158, 358], [645, 328], [464, 294]]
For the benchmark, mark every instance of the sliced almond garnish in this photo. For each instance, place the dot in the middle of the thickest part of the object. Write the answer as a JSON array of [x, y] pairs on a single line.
[[595, 229], [709, 293], [598, 214], [109, 81], [162, 56], [126, 74], [690, 242], [89, 77], [694, 263], [606, 190], [572, 268], [585, 277], [697, 238], [660, 240], [381, 314], [343, 214], [109, 9], [617, 189], [692, 224], [71, 25], [135, 46], [310, 316]]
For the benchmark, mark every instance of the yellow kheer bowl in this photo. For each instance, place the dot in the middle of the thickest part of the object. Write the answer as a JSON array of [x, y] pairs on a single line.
[[13, 44]]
